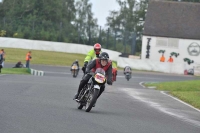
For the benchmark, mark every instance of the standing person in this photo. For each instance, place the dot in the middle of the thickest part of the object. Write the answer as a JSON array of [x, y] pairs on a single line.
[[170, 59], [162, 58], [28, 58], [3, 56], [1, 60]]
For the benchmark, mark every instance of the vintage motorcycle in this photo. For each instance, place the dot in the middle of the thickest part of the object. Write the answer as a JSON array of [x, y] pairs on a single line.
[[127, 74], [74, 70], [88, 95]]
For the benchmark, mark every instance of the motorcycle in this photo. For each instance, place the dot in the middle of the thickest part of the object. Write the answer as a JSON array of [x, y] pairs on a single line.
[[88, 95], [74, 70], [127, 74]]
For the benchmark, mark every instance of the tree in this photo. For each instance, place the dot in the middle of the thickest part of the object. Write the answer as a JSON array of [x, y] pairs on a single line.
[[124, 22], [85, 23], [38, 19]]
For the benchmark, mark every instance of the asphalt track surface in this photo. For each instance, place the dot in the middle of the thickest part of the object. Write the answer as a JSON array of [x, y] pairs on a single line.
[[33, 104]]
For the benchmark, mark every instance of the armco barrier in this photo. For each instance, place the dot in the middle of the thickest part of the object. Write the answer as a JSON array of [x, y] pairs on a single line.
[[197, 70]]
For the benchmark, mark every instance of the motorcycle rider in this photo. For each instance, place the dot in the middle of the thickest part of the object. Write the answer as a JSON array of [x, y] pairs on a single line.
[[91, 55], [101, 62], [127, 69], [75, 62], [94, 53]]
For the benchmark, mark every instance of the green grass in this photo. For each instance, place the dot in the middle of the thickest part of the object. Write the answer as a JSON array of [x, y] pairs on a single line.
[[14, 71], [188, 91], [14, 55]]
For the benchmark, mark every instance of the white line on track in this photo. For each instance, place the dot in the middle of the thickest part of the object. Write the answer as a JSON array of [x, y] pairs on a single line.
[[56, 72], [141, 84], [180, 101], [138, 96]]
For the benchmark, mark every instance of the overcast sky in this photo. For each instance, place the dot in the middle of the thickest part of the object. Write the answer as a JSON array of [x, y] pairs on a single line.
[[101, 9]]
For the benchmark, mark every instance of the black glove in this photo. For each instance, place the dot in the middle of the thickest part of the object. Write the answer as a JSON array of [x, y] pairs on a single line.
[[83, 69], [84, 66]]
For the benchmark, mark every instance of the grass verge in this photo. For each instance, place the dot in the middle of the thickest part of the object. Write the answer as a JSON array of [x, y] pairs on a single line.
[[14, 55], [14, 71], [188, 91]]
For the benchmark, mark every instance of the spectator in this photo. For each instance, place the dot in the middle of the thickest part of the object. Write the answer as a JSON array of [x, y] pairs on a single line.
[[18, 65], [3, 56], [28, 58], [170, 59], [1, 60]]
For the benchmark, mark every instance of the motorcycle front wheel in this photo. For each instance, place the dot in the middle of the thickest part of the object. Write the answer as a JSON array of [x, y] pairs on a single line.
[[80, 103], [80, 106], [92, 99], [74, 73]]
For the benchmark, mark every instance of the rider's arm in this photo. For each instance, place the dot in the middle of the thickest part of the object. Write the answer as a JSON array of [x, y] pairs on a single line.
[[90, 65], [89, 56], [78, 65], [72, 64], [109, 73]]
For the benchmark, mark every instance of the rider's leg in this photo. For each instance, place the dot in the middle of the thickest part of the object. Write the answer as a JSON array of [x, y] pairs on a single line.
[[101, 90], [82, 84]]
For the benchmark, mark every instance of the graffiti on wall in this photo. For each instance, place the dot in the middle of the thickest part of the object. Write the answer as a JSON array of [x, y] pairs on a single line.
[[162, 58], [194, 49], [174, 54], [148, 48], [189, 61]]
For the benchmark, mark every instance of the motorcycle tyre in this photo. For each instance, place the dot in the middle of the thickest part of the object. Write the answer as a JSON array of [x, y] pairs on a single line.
[[80, 106], [75, 73], [93, 101]]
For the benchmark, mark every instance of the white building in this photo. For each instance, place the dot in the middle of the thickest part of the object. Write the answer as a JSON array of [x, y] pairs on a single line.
[[173, 27]]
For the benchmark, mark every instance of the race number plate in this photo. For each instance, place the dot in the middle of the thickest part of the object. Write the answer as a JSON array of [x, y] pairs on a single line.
[[96, 86]]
